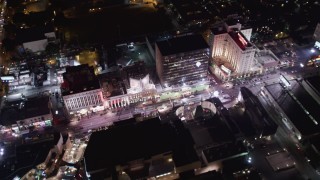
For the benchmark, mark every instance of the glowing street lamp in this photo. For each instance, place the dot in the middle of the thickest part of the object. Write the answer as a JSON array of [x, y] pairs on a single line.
[[216, 93]]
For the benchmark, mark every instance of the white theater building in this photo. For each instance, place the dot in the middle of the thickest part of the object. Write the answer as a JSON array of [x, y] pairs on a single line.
[[140, 90]]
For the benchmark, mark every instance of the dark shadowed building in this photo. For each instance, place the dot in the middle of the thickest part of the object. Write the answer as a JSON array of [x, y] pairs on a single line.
[[140, 150]]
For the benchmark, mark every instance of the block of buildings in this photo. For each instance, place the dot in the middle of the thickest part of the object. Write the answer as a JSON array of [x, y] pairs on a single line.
[[182, 60]]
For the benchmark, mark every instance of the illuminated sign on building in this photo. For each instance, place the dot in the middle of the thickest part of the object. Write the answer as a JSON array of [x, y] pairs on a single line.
[[242, 40], [7, 78], [225, 69], [314, 61]]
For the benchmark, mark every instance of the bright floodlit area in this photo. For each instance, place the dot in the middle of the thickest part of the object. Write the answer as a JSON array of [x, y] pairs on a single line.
[[74, 153]]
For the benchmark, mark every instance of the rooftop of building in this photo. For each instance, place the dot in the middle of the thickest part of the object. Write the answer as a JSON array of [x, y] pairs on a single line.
[[224, 151], [236, 164], [300, 118], [183, 152], [189, 10], [307, 101], [266, 59], [127, 143], [208, 175], [79, 79], [225, 114], [139, 140], [261, 119], [36, 107], [240, 39], [234, 21], [136, 70], [210, 131], [218, 30], [314, 82], [34, 33], [182, 44]]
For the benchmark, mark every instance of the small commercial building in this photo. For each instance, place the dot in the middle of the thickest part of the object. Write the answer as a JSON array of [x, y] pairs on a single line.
[[267, 59]]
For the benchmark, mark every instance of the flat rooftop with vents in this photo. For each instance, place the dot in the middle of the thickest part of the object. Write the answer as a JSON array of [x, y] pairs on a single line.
[[182, 44]]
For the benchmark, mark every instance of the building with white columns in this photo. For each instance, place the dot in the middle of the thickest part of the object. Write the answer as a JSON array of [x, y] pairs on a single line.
[[81, 90]]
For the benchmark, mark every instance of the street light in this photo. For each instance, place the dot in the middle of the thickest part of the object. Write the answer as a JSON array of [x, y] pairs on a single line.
[[312, 50]]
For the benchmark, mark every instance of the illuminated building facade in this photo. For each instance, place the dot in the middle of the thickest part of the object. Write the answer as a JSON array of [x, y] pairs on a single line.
[[81, 90], [182, 60], [231, 50]]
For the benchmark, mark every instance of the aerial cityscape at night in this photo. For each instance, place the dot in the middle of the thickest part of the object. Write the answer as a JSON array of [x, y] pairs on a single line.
[[159, 89]]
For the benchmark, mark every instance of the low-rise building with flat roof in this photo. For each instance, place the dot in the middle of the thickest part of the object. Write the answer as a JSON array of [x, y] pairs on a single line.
[[36, 112], [267, 59], [27, 114]]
